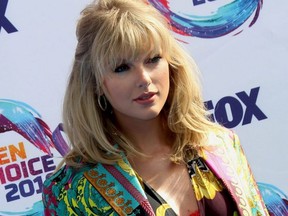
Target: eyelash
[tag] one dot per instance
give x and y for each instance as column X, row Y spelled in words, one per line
column 125, row 67
column 155, row 59
column 122, row 68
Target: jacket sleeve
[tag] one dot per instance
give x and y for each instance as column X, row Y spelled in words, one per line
column 68, row 192
column 253, row 193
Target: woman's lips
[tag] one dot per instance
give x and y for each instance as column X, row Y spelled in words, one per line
column 145, row 98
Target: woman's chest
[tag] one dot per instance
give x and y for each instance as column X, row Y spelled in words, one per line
column 187, row 189
column 174, row 187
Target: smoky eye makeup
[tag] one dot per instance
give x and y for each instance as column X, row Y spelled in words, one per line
column 154, row 59
column 122, row 68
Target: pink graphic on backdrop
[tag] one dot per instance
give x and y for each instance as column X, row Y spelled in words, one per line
column 26, row 121
column 223, row 20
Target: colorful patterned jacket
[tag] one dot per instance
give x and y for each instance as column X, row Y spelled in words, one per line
column 116, row 189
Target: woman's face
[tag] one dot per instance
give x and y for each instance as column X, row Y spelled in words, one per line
column 138, row 89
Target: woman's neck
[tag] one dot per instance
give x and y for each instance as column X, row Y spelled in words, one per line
column 150, row 136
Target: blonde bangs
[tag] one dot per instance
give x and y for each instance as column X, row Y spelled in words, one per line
column 126, row 37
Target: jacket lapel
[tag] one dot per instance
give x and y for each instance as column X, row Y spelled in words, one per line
column 224, row 156
column 120, row 187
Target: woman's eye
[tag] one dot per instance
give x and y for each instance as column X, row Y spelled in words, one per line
column 122, row 68
column 154, row 59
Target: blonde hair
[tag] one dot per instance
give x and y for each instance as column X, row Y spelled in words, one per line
column 108, row 32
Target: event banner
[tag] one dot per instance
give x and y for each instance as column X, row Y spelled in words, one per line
column 240, row 47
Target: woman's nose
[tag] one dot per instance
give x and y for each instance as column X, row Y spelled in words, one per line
column 143, row 78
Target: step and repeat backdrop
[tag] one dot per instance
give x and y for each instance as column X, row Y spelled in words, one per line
column 241, row 49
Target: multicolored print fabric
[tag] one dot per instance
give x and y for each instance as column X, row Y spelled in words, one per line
column 212, row 196
column 116, row 189
column 205, row 183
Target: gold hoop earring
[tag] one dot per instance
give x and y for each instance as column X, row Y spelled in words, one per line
column 102, row 99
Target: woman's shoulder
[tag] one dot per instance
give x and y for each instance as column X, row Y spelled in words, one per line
column 222, row 141
column 65, row 175
column 221, row 136
column 68, row 190
column 65, row 179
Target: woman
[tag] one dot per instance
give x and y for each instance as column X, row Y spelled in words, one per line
column 141, row 140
